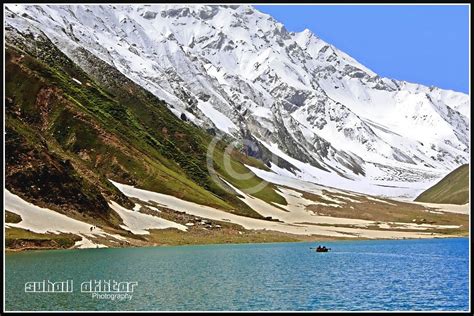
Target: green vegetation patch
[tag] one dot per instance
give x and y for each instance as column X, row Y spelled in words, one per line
column 22, row 239
column 249, row 180
column 11, row 217
column 452, row 189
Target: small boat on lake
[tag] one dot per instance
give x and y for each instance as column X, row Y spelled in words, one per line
column 322, row 249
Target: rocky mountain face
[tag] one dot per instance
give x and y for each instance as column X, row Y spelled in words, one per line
column 308, row 110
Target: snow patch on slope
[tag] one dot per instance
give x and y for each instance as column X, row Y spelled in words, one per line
column 139, row 223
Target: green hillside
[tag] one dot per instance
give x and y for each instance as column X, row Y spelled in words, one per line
column 452, row 189
column 68, row 131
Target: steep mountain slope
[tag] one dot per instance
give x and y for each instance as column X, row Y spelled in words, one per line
column 452, row 189
column 308, row 110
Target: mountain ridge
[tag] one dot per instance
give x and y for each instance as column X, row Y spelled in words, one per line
column 274, row 82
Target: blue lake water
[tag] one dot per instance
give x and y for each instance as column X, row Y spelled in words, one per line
column 355, row 275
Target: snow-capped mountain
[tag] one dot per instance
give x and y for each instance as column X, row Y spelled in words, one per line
column 329, row 119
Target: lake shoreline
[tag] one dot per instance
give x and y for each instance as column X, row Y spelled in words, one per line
column 303, row 240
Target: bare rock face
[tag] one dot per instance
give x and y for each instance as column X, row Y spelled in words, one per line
column 149, row 15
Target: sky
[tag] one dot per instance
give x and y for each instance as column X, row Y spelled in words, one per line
column 426, row 44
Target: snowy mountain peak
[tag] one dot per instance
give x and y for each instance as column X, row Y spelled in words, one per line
column 331, row 120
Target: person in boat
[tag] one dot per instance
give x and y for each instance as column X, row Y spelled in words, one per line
column 322, row 249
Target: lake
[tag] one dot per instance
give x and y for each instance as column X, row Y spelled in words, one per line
column 356, row 275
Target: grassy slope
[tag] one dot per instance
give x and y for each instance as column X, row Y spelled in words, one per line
column 20, row 239
column 452, row 189
column 103, row 131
